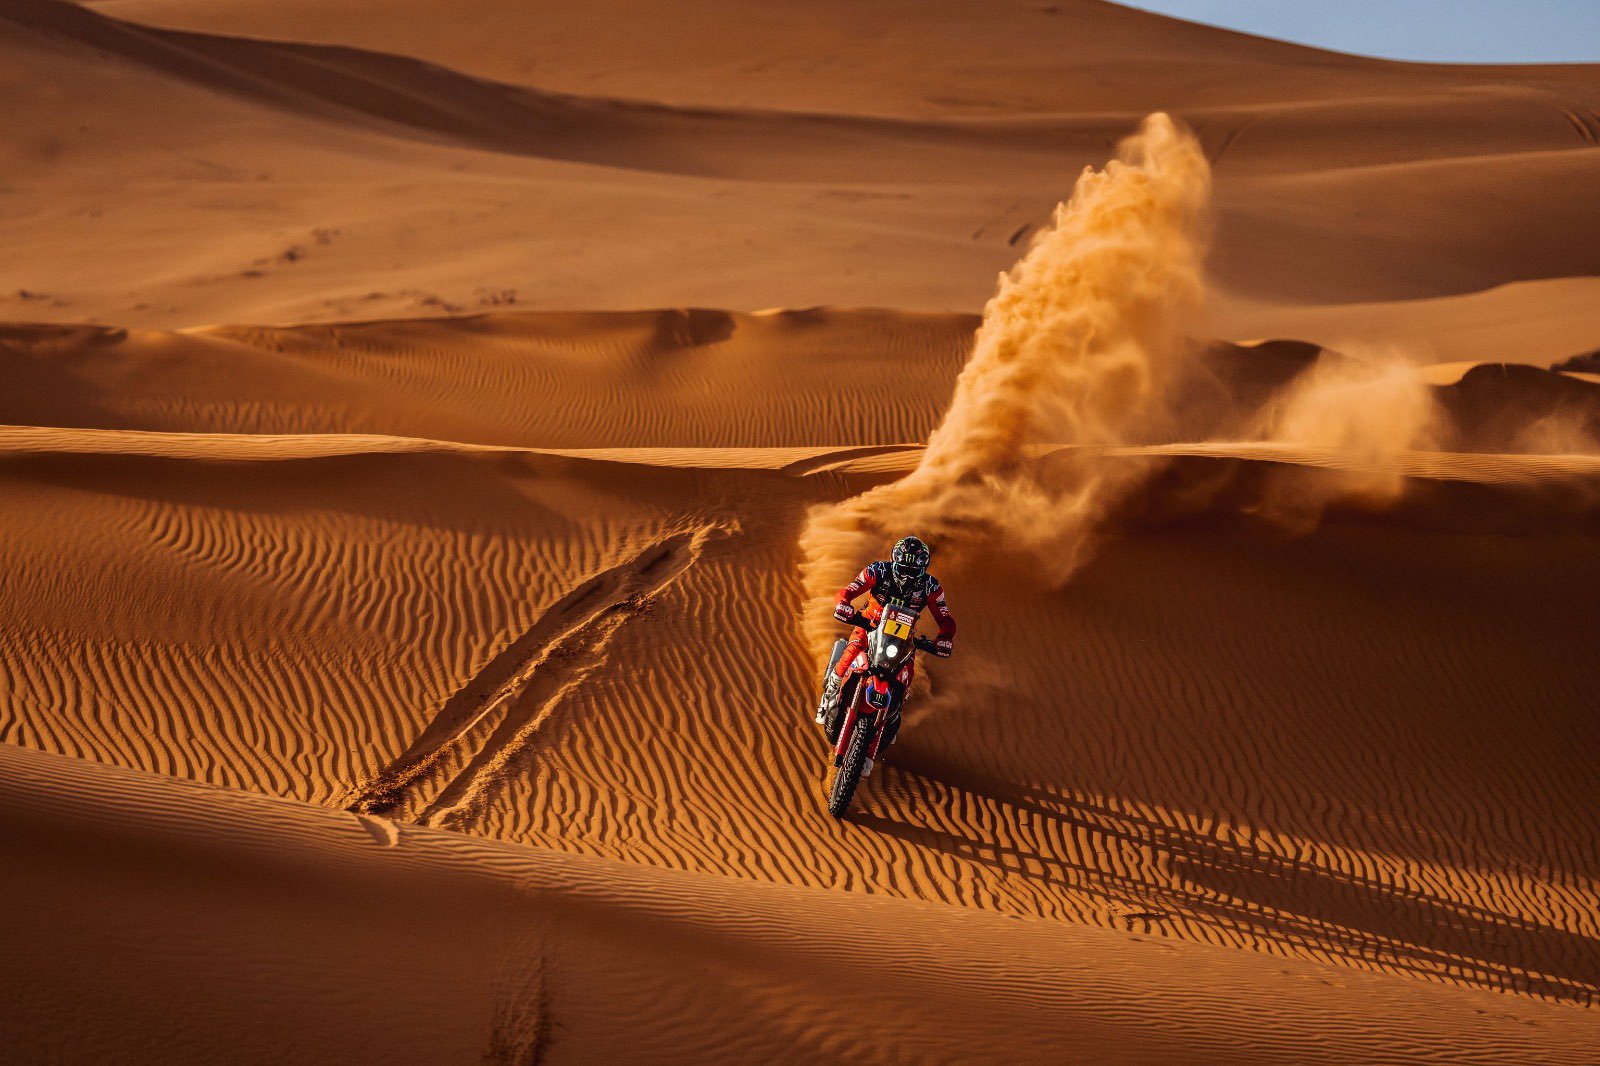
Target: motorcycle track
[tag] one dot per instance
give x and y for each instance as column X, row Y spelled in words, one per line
column 501, row 709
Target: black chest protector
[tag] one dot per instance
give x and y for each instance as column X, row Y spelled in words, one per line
column 887, row 588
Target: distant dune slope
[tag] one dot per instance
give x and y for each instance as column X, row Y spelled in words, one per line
column 887, row 57
column 270, row 162
column 1537, row 322
column 392, row 942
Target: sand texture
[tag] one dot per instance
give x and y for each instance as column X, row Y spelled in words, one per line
column 430, row 434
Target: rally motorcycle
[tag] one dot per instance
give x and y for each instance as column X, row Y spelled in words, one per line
column 865, row 717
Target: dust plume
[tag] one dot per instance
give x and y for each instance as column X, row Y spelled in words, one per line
column 1361, row 410
column 1076, row 348
column 1560, row 432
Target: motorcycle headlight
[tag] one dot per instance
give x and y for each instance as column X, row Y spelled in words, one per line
column 892, row 650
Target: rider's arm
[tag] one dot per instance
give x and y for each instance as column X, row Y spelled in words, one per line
column 946, row 620
column 844, row 609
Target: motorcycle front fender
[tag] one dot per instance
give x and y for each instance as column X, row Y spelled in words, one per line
column 877, row 693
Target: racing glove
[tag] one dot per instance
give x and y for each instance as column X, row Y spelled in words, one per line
column 844, row 612
column 943, row 647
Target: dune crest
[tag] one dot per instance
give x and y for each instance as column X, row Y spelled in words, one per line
column 1075, row 347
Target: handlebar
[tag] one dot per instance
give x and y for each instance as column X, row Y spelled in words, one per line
column 924, row 644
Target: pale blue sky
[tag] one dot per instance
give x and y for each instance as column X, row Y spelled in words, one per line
column 1453, row 31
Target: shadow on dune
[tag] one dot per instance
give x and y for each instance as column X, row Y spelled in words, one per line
column 406, row 95
column 1309, row 745
column 449, row 492
column 1242, row 894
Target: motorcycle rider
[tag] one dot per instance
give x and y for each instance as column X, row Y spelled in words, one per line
column 902, row 578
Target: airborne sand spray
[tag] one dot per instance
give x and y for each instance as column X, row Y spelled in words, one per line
column 1075, row 348
column 1368, row 408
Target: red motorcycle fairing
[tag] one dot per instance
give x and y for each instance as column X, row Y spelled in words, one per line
column 875, row 697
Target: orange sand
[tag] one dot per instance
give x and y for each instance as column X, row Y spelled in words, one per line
column 439, row 686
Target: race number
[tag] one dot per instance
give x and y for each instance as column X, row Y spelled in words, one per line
column 896, row 628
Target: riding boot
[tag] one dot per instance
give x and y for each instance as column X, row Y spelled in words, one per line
column 830, row 694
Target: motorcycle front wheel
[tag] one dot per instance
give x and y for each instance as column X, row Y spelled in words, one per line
column 848, row 775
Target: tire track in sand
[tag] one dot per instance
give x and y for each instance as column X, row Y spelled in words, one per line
column 499, row 709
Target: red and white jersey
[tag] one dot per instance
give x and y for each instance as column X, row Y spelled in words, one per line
column 879, row 579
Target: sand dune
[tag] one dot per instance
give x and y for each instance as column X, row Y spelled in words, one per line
column 1534, row 322
column 435, row 613
column 433, row 638
column 468, row 379
column 629, row 383
column 397, row 92
column 348, row 166
column 1013, row 57
column 1482, row 221
column 528, row 955
column 528, row 643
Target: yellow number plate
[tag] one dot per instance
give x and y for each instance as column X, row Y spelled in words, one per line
column 896, row 628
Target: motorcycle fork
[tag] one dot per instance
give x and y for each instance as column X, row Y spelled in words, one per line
column 872, row 752
column 847, row 728
column 851, row 718
column 855, row 715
